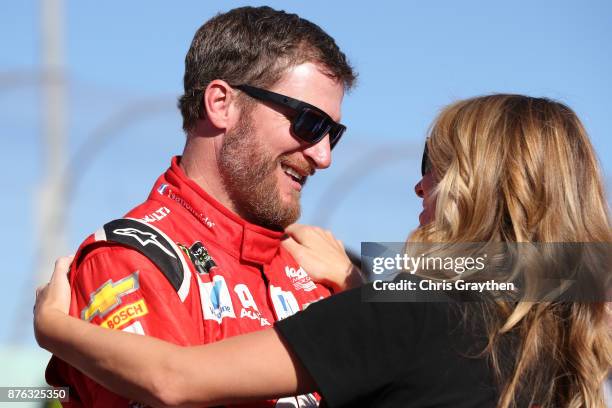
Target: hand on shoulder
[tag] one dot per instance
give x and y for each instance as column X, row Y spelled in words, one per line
column 52, row 300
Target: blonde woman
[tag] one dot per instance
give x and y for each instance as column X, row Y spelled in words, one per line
column 499, row 168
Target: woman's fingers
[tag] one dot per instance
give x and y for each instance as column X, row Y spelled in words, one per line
column 309, row 235
column 320, row 254
column 296, row 249
column 62, row 266
column 296, row 231
column 56, row 293
column 39, row 291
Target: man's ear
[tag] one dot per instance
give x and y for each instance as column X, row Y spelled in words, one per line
column 219, row 104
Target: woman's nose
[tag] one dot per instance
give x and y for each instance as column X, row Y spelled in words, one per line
column 418, row 189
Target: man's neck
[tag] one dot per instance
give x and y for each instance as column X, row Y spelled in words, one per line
column 200, row 164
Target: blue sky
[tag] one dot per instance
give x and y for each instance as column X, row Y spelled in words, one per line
column 413, row 58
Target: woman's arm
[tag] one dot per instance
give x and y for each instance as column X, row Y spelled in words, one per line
column 148, row 370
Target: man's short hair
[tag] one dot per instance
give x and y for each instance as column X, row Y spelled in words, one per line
column 255, row 46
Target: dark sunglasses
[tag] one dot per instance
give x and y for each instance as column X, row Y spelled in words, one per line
column 425, row 163
column 308, row 123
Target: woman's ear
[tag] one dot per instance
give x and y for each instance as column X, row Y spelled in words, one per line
column 218, row 102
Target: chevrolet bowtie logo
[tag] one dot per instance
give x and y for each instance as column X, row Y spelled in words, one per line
column 108, row 296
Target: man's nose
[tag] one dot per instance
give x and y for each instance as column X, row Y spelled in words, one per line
column 320, row 153
column 418, row 189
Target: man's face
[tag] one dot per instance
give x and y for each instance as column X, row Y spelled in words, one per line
column 262, row 164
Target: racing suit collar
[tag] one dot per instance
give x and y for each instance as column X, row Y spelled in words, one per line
column 249, row 242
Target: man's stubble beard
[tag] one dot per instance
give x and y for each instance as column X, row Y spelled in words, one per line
column 248, row 173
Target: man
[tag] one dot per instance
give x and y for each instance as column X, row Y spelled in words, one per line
column 200, row 259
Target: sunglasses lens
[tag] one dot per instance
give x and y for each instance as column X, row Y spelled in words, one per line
column 335, row 135
column 310, row 126
column 425, row 167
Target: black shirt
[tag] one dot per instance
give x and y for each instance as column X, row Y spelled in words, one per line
column 400, row 354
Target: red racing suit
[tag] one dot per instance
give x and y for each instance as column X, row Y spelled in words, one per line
column 182, row 268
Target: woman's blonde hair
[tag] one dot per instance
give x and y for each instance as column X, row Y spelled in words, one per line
column 512, row 168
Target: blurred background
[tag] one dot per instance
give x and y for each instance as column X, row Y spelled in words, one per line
column 88, row 116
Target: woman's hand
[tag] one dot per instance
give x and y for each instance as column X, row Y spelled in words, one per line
column 52, row 299
column 322, row 256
